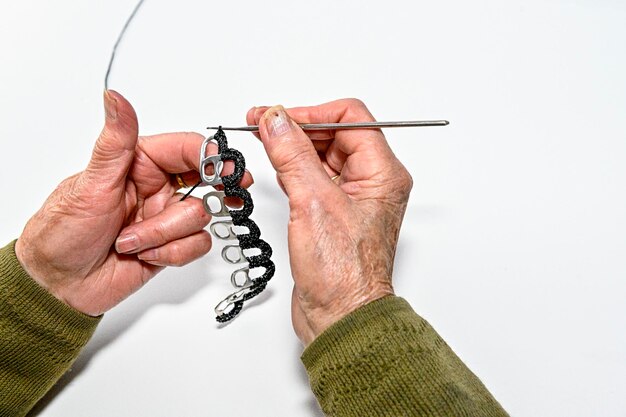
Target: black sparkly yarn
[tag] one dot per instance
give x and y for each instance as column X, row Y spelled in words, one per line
column 240, row 217
column 237, row 306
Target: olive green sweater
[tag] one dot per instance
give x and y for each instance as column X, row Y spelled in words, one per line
column 385, row 360
column 381, row 360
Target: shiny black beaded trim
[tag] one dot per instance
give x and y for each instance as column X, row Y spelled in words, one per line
column 240, row 217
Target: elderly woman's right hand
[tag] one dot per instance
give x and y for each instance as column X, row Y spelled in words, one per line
column 342, row 233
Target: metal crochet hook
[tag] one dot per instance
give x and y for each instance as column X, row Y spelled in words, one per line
column 341, row 126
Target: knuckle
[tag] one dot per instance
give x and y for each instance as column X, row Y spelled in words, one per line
column 355, row 109
column 399, row 180
column 298, row 208
column 196, row 214
column 406, row 181
column 159, row 232
column 356, row 103
column 357, row 106
column 353, row 102
column 306, row 206
column 403, row 182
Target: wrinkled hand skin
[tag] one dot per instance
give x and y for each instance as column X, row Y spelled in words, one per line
column 73, row 246
column 342, row 234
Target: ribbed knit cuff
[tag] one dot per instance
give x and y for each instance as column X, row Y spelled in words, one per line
column 40, row 337
column 344, row 340
column 385, row 360
column 36, row 306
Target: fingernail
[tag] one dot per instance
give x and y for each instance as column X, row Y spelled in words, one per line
column 277, row 121
column 149, row 255
column 127, row 243
column 259, row 112
column 110, row 106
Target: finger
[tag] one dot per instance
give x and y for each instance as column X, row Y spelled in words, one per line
column 335, row 160
column 341, row 111
column 184, row 180
column 254, row 115
column 115, row 148
column 177, row 220
column 330, row 171
column 179, row 252
column 367, row 143
column 321, row 146
column 176, row 153
column 332, row 159
column 292, row 154
column 358, row 154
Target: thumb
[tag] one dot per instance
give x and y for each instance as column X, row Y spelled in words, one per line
column 292, row 154
column 115, row 148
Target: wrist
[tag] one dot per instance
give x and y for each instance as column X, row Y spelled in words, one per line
column 30, row 262
column 25, row 257
column 319, row 319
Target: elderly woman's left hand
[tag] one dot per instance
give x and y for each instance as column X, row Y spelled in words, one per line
column 106, row 231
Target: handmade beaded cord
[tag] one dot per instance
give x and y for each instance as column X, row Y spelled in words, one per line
column 249, row 241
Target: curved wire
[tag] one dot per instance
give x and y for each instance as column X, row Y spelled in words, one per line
column 117, row 42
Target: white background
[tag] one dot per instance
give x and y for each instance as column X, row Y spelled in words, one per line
column 514, row 239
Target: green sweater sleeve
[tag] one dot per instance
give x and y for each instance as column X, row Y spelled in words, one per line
column 40, row 337
column 385, row 360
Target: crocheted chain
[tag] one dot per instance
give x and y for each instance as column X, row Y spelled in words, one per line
column 250, row 240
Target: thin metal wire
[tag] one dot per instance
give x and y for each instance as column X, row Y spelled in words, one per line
column 341, row 126
column 117, row 42
column 191, row 190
